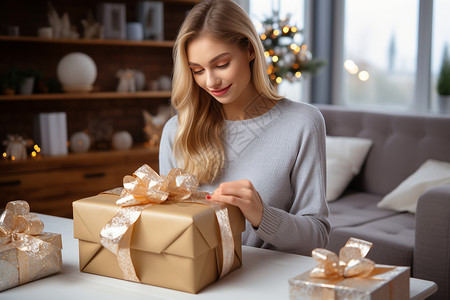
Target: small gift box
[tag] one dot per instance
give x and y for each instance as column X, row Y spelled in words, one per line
column 162, row 233
column 350, row 276
column 26, row 253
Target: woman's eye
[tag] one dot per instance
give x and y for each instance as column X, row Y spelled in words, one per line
column 224, row 65
column 197, row 72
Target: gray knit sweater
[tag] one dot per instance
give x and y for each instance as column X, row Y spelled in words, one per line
column 282, row 152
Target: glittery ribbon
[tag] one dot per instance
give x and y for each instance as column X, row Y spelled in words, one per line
column 146, row 188
column 17, row 227
column 350, row 263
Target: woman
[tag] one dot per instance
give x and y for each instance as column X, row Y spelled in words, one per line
column 248, row 146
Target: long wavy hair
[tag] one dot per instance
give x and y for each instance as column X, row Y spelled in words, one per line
column 198, row 145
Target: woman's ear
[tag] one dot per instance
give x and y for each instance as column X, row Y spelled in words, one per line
column 251, row 52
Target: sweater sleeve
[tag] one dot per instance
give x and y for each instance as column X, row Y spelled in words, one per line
column 166, row 159
column 306, row 226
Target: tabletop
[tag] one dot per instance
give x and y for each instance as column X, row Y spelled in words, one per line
column 263, row 275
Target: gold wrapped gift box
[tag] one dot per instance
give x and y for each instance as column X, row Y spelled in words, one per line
column 173, row 245
column 17, row 267
column 385, row 282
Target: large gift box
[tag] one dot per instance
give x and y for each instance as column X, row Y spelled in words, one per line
column 173, row 244
column 350, row 276
column 26, row 253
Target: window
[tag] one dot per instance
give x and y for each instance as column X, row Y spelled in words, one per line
column 380, row 42
column 441, row 39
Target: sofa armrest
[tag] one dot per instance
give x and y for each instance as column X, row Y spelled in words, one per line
column 432, row 245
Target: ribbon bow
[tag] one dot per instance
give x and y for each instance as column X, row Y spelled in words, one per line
column 17, row 227
column 351, row 261
column 146, row 188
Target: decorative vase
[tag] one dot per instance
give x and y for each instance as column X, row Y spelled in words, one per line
column 77, row 72
column 27, row 86
column 80, row 142
column 135, row 31
column 122, row 140
column 443, row 103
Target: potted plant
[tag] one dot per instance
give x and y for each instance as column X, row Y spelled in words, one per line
column 9, row 82
column 27, row 80
column 19, row 81
column 443, row 86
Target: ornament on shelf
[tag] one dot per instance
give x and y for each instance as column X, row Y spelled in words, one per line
column 122, row 140
column 139, row 80
column 154, row 124
column 80, row 142
column 92, row 28
column 16, row 147
column 288, row 57
column 127, row 81
column 61, row 26
column 164, row 83
column 77, row 72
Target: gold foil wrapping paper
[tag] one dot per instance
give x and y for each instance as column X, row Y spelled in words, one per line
column 350, row 276
column 26, row 254
column 146, row 188
column 173, row 244
column 384, row 282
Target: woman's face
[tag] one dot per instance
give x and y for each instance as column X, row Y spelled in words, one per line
column 221, row 69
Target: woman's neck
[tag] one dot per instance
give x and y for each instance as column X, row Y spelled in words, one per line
column 248, row 106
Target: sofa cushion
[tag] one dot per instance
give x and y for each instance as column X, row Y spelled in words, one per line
column 355, row 208
column 401, row 143
column 393, row 239
column 345, row 156
column 431, row 174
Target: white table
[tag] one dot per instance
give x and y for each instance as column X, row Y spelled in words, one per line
column 263, row 275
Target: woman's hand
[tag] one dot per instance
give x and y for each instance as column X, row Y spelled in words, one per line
column 241, row 193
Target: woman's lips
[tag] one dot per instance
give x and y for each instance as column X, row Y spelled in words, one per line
column 221, row 92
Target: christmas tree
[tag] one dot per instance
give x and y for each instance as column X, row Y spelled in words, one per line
column 287, row 56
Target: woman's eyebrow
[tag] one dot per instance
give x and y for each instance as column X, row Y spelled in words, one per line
column 211, row 61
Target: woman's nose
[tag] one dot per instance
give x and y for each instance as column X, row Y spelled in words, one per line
column 212, row 81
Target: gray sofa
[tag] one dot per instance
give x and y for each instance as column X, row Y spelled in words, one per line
column 401, row 143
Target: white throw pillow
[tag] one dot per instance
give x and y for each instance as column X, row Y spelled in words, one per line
column 430, row 174
column 345, row 156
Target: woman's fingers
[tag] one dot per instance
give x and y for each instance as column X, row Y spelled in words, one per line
column 242, row 194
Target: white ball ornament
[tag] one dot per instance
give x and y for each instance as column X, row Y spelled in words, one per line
column 122, row 140
column 80, row 142
column 77, row 72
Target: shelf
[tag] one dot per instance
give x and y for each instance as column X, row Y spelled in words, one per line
column 96, row 42
column 81, row 96
column 77, row 160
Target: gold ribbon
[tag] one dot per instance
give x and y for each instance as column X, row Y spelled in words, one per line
column 17, row 227
column 146, row 188
column 351, row 261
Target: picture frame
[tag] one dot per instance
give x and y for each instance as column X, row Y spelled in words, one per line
column 151, row 15
column 112, row 16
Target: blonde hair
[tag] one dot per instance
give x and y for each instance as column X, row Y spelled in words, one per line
column 198, row 145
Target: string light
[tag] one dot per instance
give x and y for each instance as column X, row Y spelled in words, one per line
column 363, row 76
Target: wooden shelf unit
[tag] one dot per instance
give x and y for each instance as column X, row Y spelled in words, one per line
column 51, row 184
column 86, row 96
column 96, row 42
